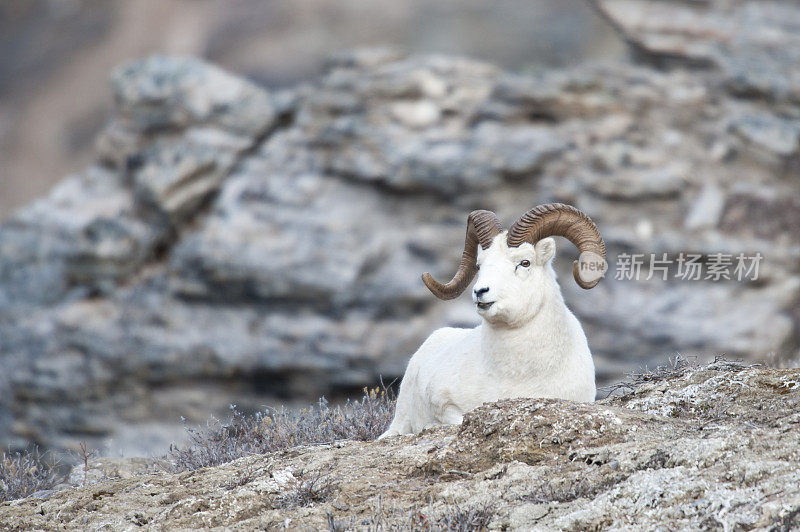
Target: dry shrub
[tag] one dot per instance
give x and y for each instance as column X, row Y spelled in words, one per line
column 217, row 443
column 676, row 367
column 466, row 519
column 306, row 490
column 455, row 518
column 25, row 473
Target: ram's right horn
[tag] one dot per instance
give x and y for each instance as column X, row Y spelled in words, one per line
column 482, row 227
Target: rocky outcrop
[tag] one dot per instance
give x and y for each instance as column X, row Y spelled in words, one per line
column 235, row 245
column 54, row 60
column 710, row 448
column 754, row 45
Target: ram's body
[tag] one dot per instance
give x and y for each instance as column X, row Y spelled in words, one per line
column 457, row 370
column 529, row 344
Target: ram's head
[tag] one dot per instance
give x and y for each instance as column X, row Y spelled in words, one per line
column 509, row 264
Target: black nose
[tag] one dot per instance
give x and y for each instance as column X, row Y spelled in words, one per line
column 480, row 291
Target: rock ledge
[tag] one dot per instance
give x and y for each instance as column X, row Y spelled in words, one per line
column 717, row 447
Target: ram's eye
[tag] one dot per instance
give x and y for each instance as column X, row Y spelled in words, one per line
column 525, row 263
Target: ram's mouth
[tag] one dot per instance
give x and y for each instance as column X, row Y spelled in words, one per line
column 485, row 306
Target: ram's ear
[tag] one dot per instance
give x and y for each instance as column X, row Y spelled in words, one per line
column 545, row 249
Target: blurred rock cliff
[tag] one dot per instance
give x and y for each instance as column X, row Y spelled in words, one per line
column 233, row 244
column 55, row 55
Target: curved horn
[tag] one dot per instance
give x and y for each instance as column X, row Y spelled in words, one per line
column 482, row 227
column 557, row 219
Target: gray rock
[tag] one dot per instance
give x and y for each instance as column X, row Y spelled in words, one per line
column 101, row 469
column 712, row 447
column 165, row 92
column 642, row 184
column 768, row 133
column 179, row 176
column 755, row 44
column 706, row 209
column 217, row 254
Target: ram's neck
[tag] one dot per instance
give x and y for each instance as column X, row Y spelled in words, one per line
column 537, row 348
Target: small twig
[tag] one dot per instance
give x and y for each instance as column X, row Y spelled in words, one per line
column 86, row 455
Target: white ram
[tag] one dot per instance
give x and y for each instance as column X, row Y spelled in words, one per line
column 528, row 344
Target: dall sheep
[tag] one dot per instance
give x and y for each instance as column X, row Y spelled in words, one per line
column 528, row 344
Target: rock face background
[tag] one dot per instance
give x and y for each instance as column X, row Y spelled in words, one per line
column 234, row 245
column 55, row 55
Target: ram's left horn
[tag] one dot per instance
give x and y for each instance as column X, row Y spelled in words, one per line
column 557, row 219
